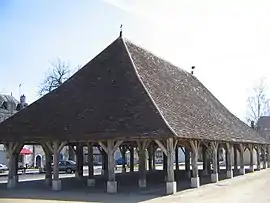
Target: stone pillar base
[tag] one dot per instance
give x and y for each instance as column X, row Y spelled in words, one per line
column 258, row 168
column 195, row 182
column 251, row 169
column 142, row 183
column 91, row 182
column 171, row 188
column 56, row 185
column 242, row 171
column 111, row 187
column 48, row 181
column 11, row 183
column 214, row 177
column 229, row 174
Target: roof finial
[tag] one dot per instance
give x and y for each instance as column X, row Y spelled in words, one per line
column 192, row 68
column 121, row 27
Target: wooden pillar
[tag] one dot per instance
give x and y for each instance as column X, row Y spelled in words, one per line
column 187, row 162
column 176, row 158
column 229, row 151
column 110, row 149
column 13, row 149
column 214, row 149
column 154, row 157
column 79, row 162
column 268, row 155
column 90, row 159
column 204, row 157
column 235, row 159
column 258, row 151
column 195, row 181
column 250, row 148
column 142, row 145
column 48, row 164
column 123, row 151
column 218, row 156
column 16, row 162
column 111, row 184
column 56, row 183
column 56, row 148
column 170, row 184
column 131, row 150
column 164, row 162
column 242, row 164
column 104, row 163
column 264, row 157
column 150, row 150
column 48, row 173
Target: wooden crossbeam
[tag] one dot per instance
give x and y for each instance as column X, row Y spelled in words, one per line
column 162, row 147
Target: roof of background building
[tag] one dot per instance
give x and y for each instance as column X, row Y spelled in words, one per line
column 124, row 92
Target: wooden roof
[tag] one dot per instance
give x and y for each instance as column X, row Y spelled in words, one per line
column 124, row 92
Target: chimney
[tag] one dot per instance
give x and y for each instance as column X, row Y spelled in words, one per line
column 252, row 125
column 22, row 100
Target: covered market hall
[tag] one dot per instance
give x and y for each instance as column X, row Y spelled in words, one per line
column 129, row 99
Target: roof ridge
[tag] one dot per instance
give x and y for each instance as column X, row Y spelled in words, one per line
column 154, row 54
column 145, row 88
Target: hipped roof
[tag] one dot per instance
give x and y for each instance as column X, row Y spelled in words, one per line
column 127, row 92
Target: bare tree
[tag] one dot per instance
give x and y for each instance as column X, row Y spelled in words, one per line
column 55, row 77
column 258, row 103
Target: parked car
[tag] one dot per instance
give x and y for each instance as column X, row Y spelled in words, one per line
column 68, row 166
column 3, row 168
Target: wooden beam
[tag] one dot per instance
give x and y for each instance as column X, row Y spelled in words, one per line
column 60, row 147
column 175, row 143
column 103, row 146
column 117, row 144
column 50, row 147
column 161, row 146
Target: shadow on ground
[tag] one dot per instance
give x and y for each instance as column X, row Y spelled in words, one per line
column 76, row 190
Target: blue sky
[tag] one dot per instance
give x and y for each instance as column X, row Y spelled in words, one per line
column 227, row 41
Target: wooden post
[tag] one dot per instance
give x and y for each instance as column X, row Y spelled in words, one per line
column 90, row 159
column 150, row 157
column 264, row 157
column 56, row 148
column 250, row 148
column 235, row 159
column 48, row 164
column 142, row 145
column 123, row 151
column 13, row 149
column 218, row 157
column 214, row 149
column 195, row 181
column 204, row 156
column 187, row 162
column 268, row 155
column 131, row 149
column 258, row 151
column 79, row 162
column 242, row 164
column 56, row 184
column 229, row 150
column 170, row 184
column 110, row 149
column 176, row 159
column 164, row 162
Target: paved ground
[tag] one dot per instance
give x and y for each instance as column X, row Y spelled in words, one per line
column 253, row 187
